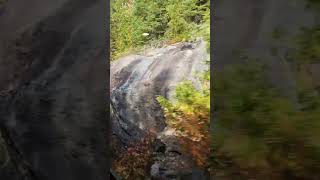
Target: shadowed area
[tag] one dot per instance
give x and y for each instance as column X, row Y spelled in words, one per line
column 53, row 73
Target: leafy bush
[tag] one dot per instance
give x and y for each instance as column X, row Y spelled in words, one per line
column 190, row 117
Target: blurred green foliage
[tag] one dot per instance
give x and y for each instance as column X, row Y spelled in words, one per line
column 314, row 4
column 257, row 128
column 258, row 132
column 308, row 46
column 169, row 20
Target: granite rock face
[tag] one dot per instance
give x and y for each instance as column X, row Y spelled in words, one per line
column 53, row 84
column 136, row 81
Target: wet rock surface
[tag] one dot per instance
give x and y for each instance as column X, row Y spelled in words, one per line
column 53, row 99
column 136, row 81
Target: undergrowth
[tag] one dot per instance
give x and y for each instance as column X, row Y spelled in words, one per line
column 135, row 161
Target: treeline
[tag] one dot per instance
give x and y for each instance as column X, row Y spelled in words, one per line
column 170, row 20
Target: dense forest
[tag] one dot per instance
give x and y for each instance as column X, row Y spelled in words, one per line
column 165, row 21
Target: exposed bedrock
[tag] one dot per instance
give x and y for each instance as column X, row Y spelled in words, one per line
column 136, row 81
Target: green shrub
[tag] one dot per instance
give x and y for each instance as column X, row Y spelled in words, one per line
column 190, row 117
